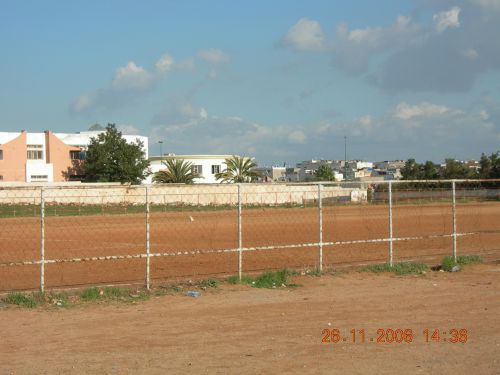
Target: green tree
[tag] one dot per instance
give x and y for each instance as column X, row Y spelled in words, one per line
column 325, row 173
column 411, row 170
column 238, row 169
column 456, row 169
column 429, row 171
column 489, row 167
column 110, row 158
column 178, row 171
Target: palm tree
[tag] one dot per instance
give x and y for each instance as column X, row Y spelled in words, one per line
column 178, row 172
column 239, row 169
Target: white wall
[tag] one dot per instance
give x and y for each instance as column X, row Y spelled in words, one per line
column 206, row 162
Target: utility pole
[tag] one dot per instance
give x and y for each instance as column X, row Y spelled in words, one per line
column 345, row 158
column 161, row 150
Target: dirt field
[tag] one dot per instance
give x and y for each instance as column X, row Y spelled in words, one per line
column 70, row 237
column 240, row 330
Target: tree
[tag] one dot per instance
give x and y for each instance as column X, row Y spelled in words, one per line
column 456, row 169
column 110, row 158
column 429, row 171
column 489, row 167
column 239, row 169
column 325, row 173
column 178, row 171
column 411, row 170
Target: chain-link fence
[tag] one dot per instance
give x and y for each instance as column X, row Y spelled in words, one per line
column 61, row 236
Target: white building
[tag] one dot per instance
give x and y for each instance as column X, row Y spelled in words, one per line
column 206, row 165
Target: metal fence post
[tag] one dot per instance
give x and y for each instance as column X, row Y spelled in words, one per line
column 240, row 247
column 320, row 217
column 42, row 240
column 148, row 278
column 390, row 223
column 453, row 189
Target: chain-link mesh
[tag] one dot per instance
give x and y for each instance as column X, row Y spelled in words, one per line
column 19, row 238
column 93, row 234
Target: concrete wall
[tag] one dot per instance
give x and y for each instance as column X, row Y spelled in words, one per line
column 12, row 166
column 206, row 194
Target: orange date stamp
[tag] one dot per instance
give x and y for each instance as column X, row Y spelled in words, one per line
column 395, row 335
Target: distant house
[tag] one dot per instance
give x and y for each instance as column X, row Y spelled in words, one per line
column 206, row 165
column 47, row 156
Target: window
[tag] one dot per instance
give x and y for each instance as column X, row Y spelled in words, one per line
column 35, row 152
column 215, row 169
column 197, row 169
column 39, row 177
column 1, row 154
column 77, row 155
column 1, row 178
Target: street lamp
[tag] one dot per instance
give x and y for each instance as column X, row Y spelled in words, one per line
column 161, row 151
column 345, row 158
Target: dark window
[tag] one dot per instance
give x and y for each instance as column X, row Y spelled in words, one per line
column 198, row 169
column 215, row 169
column 1, row 154
column 77, row 155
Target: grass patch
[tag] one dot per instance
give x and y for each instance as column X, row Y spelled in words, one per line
column 271, row 279
column 448, row 262
column 90, row 294
column 21, row 299
column 402, row 268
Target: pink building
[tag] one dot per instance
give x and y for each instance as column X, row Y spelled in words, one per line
column 47, row 156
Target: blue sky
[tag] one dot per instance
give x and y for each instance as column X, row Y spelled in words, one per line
column 282, row 81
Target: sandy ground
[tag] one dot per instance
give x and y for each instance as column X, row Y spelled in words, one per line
column 171, row 232
column 241, row 330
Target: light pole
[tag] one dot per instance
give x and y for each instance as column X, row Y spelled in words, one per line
column 161, row 151
column 345, row 158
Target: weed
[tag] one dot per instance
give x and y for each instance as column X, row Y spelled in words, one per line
column 448, row 262
column 90, row 294
column 402, row 268
column 21, row 299
column 115, row 293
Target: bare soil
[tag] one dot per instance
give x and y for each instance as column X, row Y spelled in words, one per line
column 70, row 237
column 242, row 330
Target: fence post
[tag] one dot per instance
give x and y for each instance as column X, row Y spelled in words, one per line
column 240, row 247
column 320, row 217
column 390, row 223
column 148, row 278
column 453, row 189
column 42, row 240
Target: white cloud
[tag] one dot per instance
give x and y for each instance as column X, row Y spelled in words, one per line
column 164, row 63
column 297, row 137
column 446, row 19
column 305, row 35
column 82, row 103
column 405, row 111
column 213, row 56
column 132, row 76
column 470, row 53
column 203, row 113
column 484, row 115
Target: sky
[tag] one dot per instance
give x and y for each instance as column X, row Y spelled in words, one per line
column 282, row 81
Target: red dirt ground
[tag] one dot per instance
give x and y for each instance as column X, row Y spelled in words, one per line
column 90, row 236
column 240, row 330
